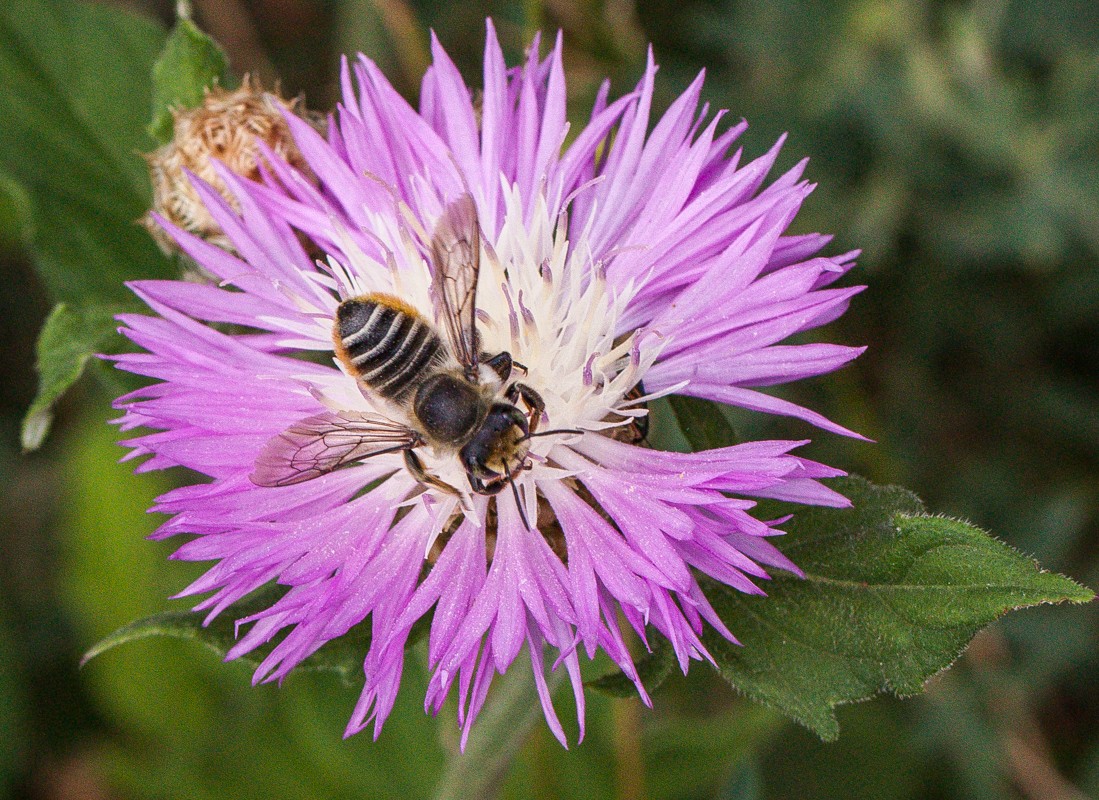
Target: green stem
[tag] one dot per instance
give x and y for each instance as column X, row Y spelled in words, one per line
column 511, row 710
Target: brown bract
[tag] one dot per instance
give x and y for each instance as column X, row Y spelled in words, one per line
column 225, row 128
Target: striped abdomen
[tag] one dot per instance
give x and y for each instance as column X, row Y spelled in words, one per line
column 385, row 344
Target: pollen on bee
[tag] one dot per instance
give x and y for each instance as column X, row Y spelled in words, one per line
column 393, row 302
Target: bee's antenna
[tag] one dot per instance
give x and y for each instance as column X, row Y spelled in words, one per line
column 547, row 433
column 519, row 503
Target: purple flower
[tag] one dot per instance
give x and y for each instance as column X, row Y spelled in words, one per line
column 636, row 253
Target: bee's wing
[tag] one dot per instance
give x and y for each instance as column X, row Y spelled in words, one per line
column 456, row 260
column 317, row 445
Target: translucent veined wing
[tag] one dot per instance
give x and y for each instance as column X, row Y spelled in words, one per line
column 317, row 445
column 456, row 260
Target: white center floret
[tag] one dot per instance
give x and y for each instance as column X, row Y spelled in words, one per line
column 541, row 298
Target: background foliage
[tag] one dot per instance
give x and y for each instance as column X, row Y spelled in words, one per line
column 957, row 143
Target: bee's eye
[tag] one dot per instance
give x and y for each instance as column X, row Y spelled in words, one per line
column 469, row 459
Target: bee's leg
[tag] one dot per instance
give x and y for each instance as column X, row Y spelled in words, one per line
column 501, row 364
column 533, row 400
column 519, row 503
column 416, row 467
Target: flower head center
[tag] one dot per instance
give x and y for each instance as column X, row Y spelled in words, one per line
column 541, row 299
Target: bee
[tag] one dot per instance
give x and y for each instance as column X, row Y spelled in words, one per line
column 454, row 397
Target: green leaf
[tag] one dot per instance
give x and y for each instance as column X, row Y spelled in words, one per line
column 653, row 669
column 76, row 87
column 68, row 339
column 76, row 81
column 891, row 596
column 15, row 214
column 343, row 656
column 190, row 63
column 702, row 422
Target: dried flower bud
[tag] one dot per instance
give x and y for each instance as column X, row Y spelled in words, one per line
column 224, row 128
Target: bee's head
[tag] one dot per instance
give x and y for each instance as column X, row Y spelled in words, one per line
column 497, row 450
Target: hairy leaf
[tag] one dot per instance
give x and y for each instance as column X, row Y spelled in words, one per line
column 890, row 597
column 190, row 63
column 68, row 339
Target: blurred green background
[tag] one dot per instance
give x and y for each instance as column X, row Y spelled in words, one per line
column 956, row 143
